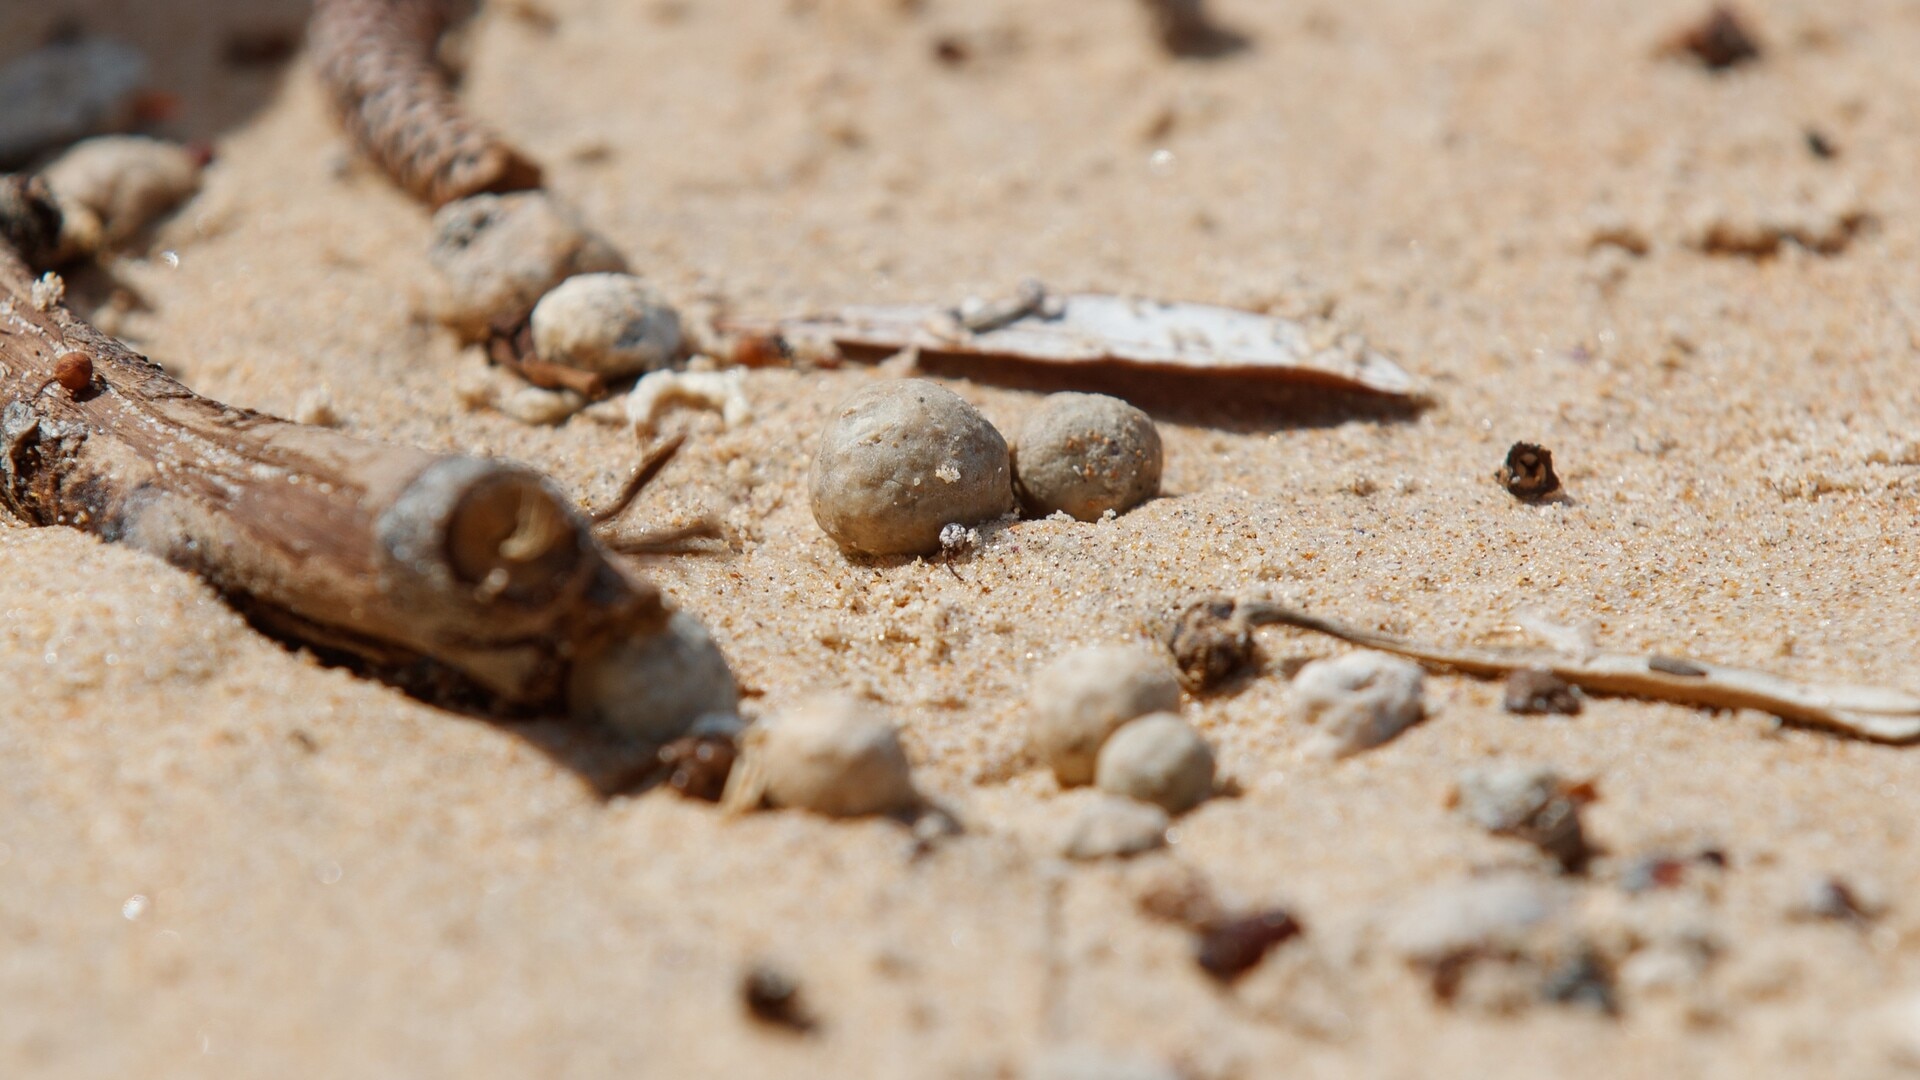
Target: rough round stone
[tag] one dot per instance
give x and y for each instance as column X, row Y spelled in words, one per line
column 835, row 755
column 499, row 254
column 1086, row 454
column 1081, row 698
column 1115, row 828
column 1157, row 759
column 613, row 324
column 902, row 460
column 654, row 687
column 116, row 185
column 1358, row 701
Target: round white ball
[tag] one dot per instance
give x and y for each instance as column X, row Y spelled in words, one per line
column 902, row 460
column 1157, row 759
column 1358, row 701
column 654, row 687
column 612, row 324
column 835, row 755
column 1084, row 696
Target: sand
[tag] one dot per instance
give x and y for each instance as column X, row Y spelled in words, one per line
column 218, row 857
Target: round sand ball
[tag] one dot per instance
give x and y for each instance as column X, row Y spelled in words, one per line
column 835, row 755
column 1157, row 759
column 902, row 460
column 120, row 184
column 499, row 254
column 657, row 687
column 613, row 324
column 1083, row 697
column 1086, row 454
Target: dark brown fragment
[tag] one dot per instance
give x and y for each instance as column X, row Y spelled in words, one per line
column 1719, row 41
column 261, row 46
column 1211, row 643
column 1528, row 473
column 698, row 765
column 771, row 996
column 1184, row 29
column 30, row 220
column 1820, row 146
column 1534, row 691
column 1230, row 948
column 376, row 61
column 1585, row 978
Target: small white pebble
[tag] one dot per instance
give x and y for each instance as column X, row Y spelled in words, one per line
column 1157, row 759
column 116, row 185
column 48, row 290
column 497, row 255
column 835, row 755
column 654, row 687
column 1081, row 698
column 315, row 406
column 1115, row 828
column 1086, row 455
column 1357, row 701
column 900, row 461
column 1485, row 914
column 613, row 324
column 720, row 390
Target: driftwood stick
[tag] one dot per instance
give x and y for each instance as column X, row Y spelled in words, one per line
column 1869, row 712
column 410, row 561
column 376, row 60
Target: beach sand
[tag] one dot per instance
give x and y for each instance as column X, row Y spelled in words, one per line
column 219, row 857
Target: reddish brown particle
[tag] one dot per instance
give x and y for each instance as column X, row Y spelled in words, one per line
column 73, row 371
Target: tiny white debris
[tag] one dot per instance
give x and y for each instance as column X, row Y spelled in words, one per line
column 1357, row 701
column 1082, row 698
column 48, row 291
column 720, row 390
column 483, row 386
column 948, row 472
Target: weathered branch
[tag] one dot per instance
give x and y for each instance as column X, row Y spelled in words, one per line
column 376, row 59
column 402, row 558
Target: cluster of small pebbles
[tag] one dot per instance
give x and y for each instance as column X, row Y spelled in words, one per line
column 1106, row 715
column 902, row 461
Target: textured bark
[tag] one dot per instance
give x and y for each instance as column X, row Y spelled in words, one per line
column 450, row 570
column 376, row 59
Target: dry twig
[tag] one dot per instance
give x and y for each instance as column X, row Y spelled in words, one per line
column 1869, row 712
column 447, row 572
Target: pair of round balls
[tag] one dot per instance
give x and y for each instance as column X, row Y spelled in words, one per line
column 900, row 461
column 1105, row 715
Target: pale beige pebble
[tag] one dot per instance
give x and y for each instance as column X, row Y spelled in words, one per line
column 722, row 391
column 1662, row 969
column 1480, row 915
column 837, row 755
column 124, row 182
column 1356, row 701
column 1160, row 759
column 497, row 255
column 1114, row 828
column 901, row 460
column 1081, row 698
column 1086, row 455
column 654, row 687
column 315, row 406
column 613, row 324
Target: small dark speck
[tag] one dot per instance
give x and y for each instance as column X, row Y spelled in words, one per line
column 1820, row 146
column 773, row 997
